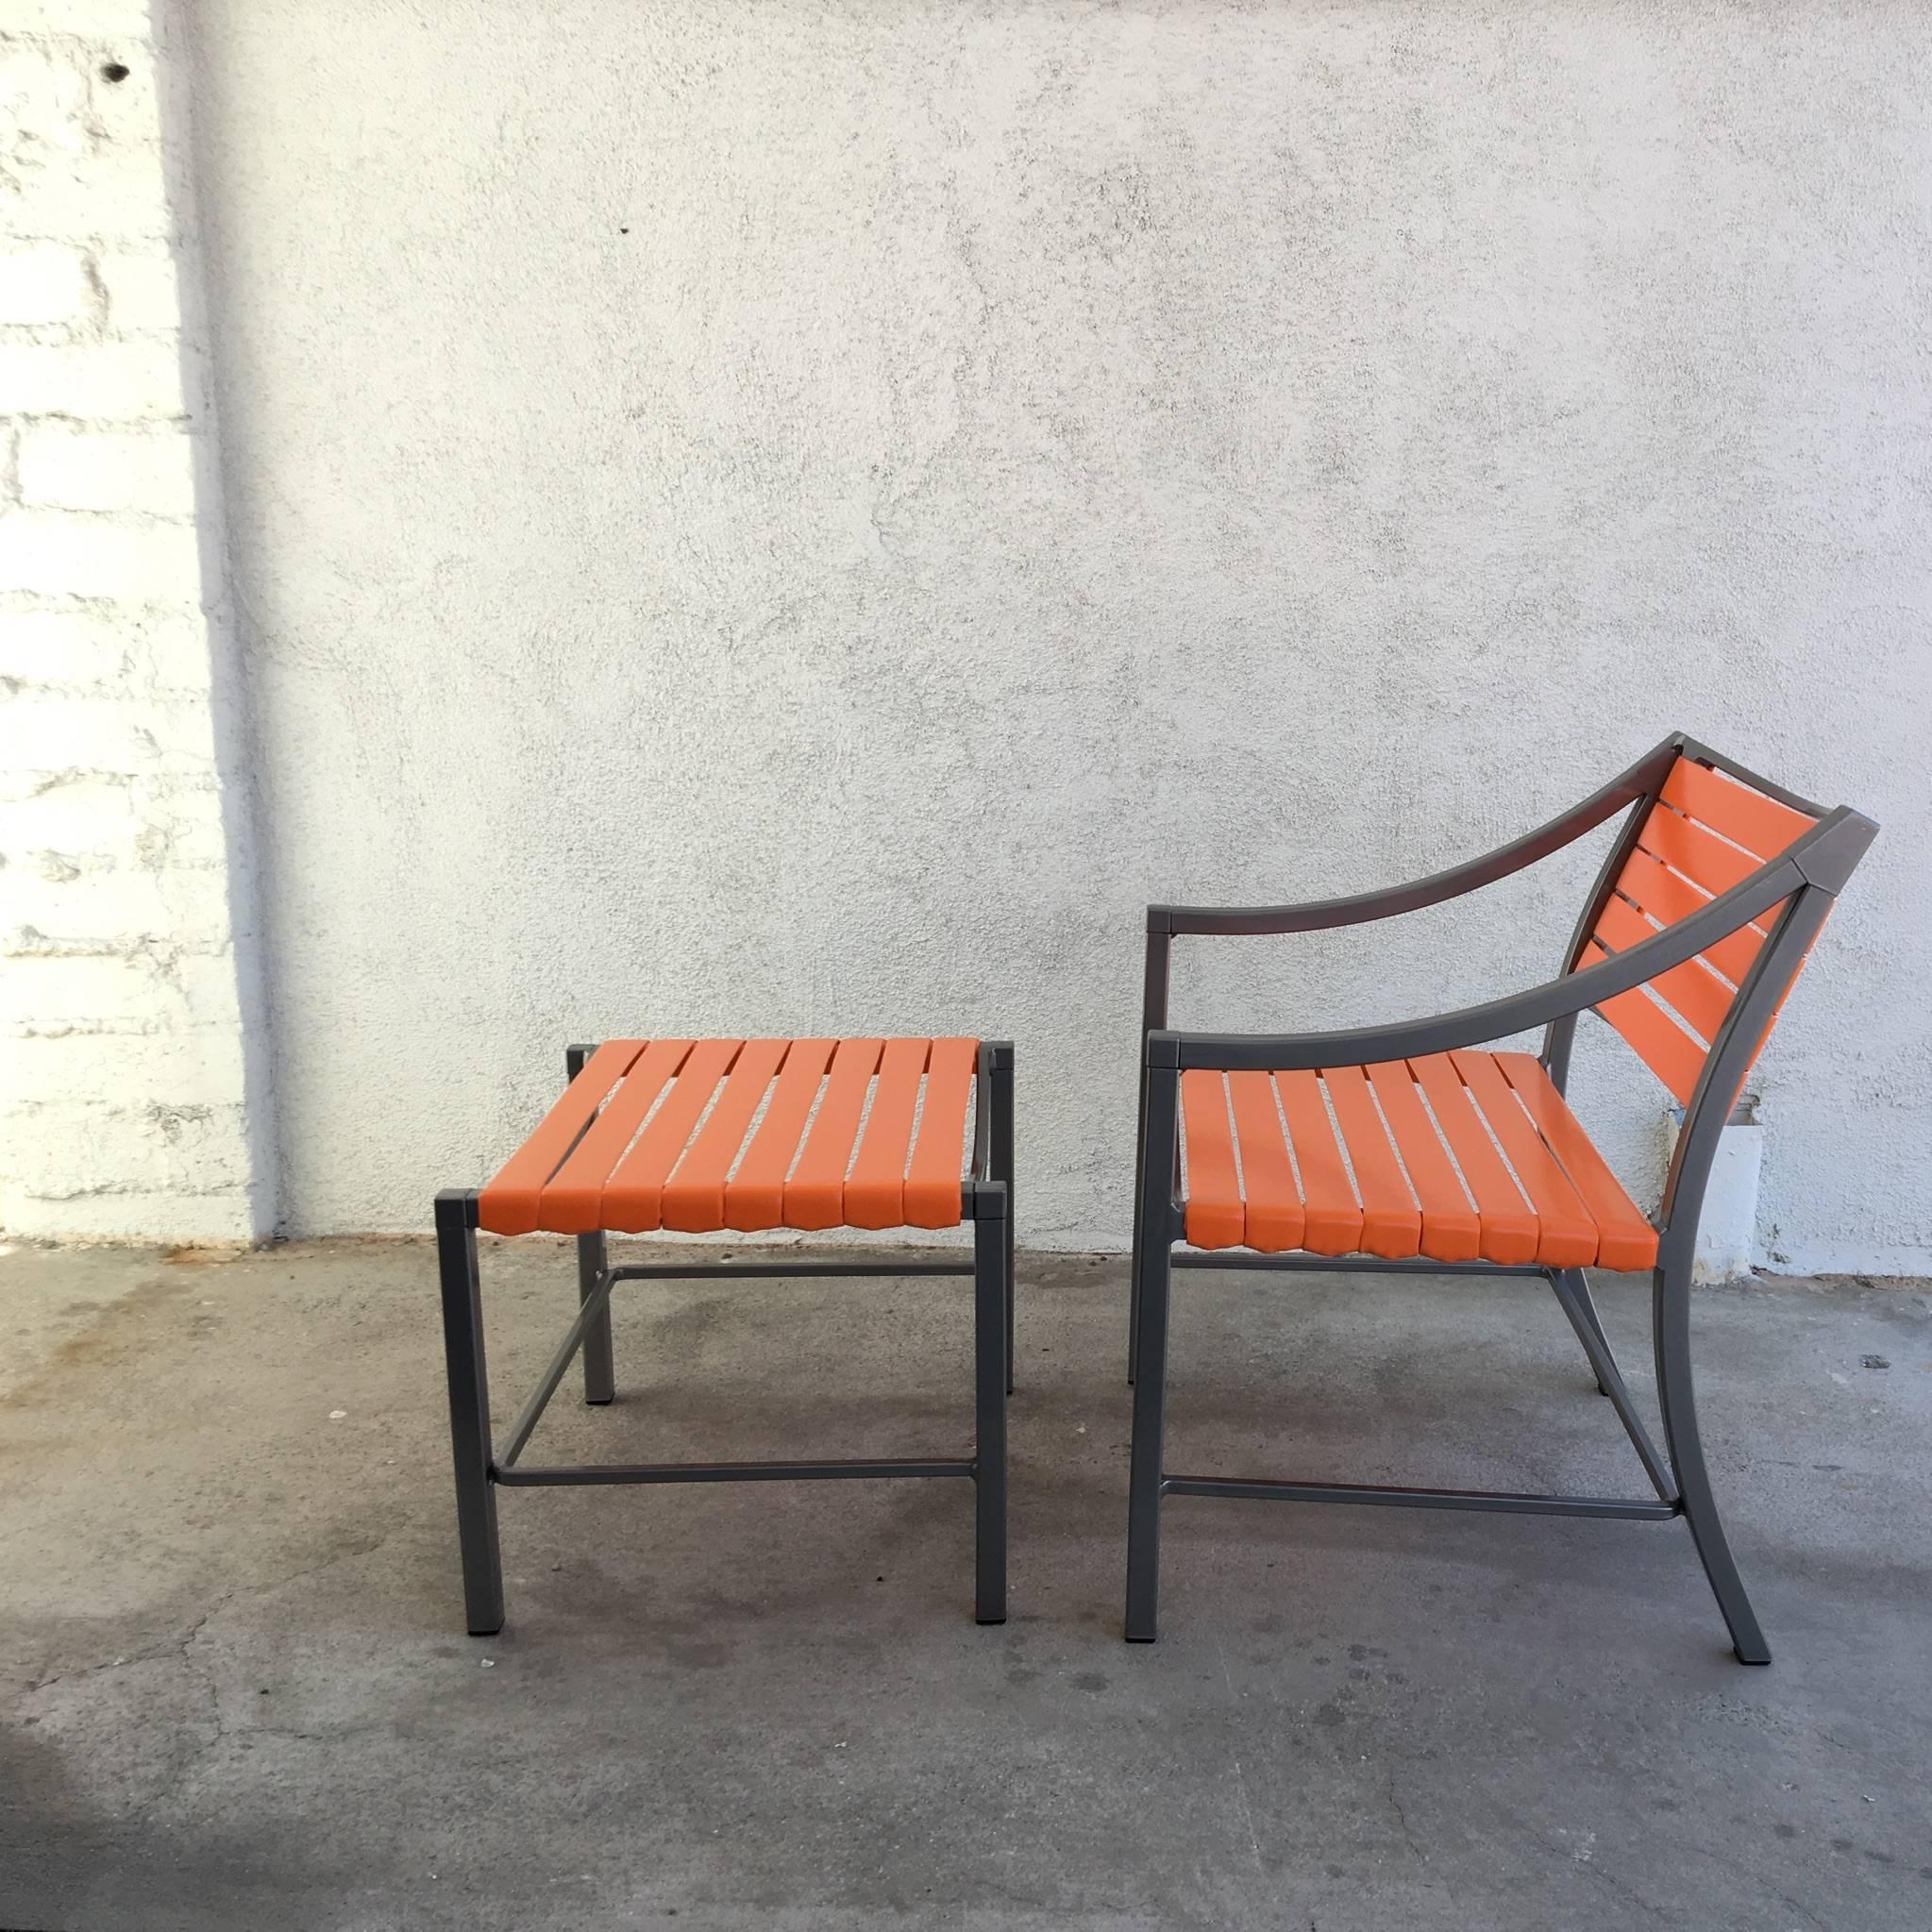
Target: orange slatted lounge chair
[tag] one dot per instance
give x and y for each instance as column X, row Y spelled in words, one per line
column 704, row 1135
column 1471, row 1161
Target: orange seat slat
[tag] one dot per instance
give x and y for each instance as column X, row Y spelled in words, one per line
column 876, row 1187
column 693, row 1197
column 511, row 1201
column 755, row 1195
column 1391, row 1221
column 932, row 1176
column 1699, row 854
column 1696, row 993
column 1663, row 1046
column 1667, row 897
column 1214, row 1217
column 1508, row 1225
column 1451, row 1229
column 573, row 1202
column 1747, row 817
column 815, row 1197
column 1626, row 1238
column 1273, row 1214
column 633, row 1196
column 1333, row 1216
column 1567, row 1235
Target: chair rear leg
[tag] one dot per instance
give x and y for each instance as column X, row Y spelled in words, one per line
column 1677, row 1400
column 991, row 1292
column 1002, row 1153
column 469, row 1411
column 1573, row 1295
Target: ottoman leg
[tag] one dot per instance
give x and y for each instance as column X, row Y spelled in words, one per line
column 991, row 1286
column 469, row 1411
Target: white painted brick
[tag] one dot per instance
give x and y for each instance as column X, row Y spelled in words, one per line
column 89, row 892
column 44, row 92
column 202, row 1069
column 96, row 555
column 97, row 643
column 61, row 733
column 117, row 193
column 124, row 109
column 101, row 381
column 127, row 1213
column 143, row 293
column 69, row 816
column 65, row 467
column 61, row 1155
column 43, row 282
column 89, row 17
column 146, row 987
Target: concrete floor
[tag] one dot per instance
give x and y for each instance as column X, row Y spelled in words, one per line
column 238, row 1693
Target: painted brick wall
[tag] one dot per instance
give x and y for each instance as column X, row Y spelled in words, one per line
column 128, row 1104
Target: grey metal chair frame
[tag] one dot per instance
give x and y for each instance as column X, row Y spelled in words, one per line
column 1805, row 878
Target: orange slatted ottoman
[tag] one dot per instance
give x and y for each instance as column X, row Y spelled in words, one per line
column 704, row 1135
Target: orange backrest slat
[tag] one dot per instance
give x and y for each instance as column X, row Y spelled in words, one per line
column 876, row 1187
column 1696, row 852
column 755, row 1195
column 1624, row 1238
column 1391, row 1221
column 1451, row 1229
column 932, row 1176
column 1568, row 1236
column 815, row 1194
column 1668, row 897
column 1333, row 1216
column 633, row 1196
column 573, row 1200
column 693, row 1197
column 1695, row 992
column 509, row 1204
column 1745, row 816
column 1509, row 1229
column 1657, row 1039
column 1275, row 1217
column 1214, row 1217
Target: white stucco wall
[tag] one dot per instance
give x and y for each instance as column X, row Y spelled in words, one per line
column 134, row 1097
column 755, row 515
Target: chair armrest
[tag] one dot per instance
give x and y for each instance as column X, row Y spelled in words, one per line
column 1642, row 780
column 1515, row 1012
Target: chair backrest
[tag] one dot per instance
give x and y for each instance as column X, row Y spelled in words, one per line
column 1703, row 833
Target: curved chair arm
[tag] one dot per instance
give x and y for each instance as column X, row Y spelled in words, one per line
column 1514, row 1013
column 1642, row 780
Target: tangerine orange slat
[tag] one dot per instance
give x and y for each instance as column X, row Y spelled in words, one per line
column 1693, row 851
column 573, row 1200
column 509, row 1204
column 694, row 1198
column 755, row 1195
column 1626, row 1238
column 1697, row 993
column 815, row 1194
column 1568, row 1236
column 1510, row 1228
column 1746, row 817
column 1451, row 1229
column 1663, row 1046
column 1668, row 897
column 1333, row 1216
column 1273, row 1212
column 1391, row 1221
column 876, row 1187
column 1215, row 1217
column 633, row 1196
column 932, row 1195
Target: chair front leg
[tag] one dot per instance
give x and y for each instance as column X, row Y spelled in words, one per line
column 1677, row 1400
column 1152, row 1274
column 469, row 1411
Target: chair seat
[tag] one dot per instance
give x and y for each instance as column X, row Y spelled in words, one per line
column 1459, row 1157
column 703, row 1134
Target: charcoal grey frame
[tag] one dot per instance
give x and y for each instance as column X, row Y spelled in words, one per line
column 481, row 1470
column 1805, row 878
